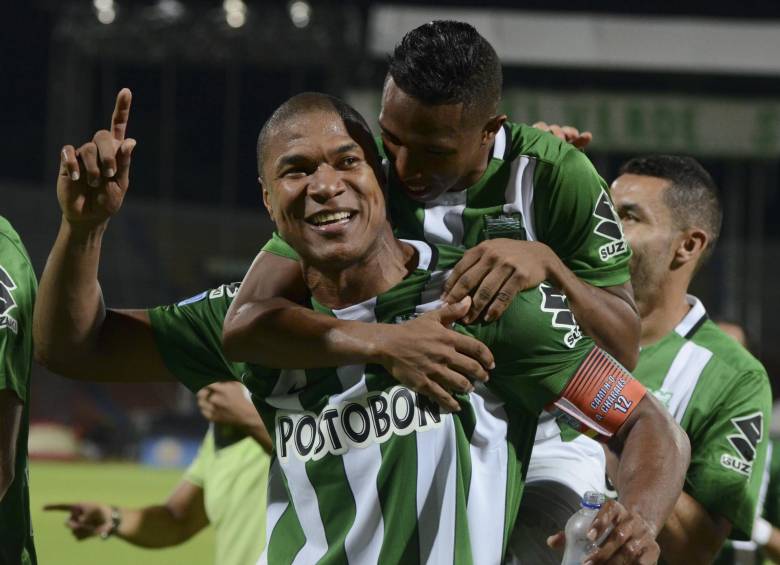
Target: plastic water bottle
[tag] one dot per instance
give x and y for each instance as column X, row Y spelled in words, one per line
column 578, row 546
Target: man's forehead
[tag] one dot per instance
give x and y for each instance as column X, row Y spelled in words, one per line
column 640, row 187
column 402, row 111
column 308, row 128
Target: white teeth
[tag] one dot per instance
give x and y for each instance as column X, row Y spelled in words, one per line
column 328, row 217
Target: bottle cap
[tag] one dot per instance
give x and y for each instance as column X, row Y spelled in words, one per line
column 593, row 499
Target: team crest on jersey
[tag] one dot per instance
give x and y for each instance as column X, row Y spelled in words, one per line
column 554, row 302
column 609, row 227
column 346, row 425
column 7, row 302
column 509, row 226
column 750, row 431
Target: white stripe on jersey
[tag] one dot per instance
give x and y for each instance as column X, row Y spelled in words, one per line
column 277, row 504
column 304, row 499
column 487, row 491
column 443, row 222
column 683, row 375
column 364, row 540
column 436, row 479
column 520, row 193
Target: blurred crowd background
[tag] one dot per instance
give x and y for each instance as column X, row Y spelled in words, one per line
column 696, row 79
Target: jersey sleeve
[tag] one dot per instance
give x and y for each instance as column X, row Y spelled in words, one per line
column 189, row 338
column 278, row 246
column 17, row 296
column 196, row 472
column 576, row 218
column 544, row 361
column 729, row 450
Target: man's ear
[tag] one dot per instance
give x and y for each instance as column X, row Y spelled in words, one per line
column 692, row 244
column 490, row 129
column 266, row 199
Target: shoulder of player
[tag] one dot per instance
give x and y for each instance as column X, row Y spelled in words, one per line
column 14, row 243
column 726, row 350
column 217, row 298
column 539, row 145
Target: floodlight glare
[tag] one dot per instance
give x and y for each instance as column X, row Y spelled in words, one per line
column 234, row 6
column 300, row 13
column 106, row 16
column 235, row 19
column 103, row 5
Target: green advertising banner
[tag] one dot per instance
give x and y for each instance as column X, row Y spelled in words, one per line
column 725, row 127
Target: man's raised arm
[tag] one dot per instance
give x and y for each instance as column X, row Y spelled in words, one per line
column 74, row 334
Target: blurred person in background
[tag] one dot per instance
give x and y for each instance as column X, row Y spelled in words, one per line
column 17, row 296
column 530, row 208
column 225, row 486
column 713, row 387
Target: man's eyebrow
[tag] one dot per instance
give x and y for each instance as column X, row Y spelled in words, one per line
column 629, row 207
column 346, row 147
column 290, row 159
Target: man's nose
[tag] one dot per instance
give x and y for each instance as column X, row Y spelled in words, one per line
column 326, row 183
column 405, row 164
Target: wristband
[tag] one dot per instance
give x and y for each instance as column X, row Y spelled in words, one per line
column 116, row 520
column 762, row 531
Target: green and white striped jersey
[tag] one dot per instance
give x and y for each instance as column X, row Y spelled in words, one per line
column 720, row 395
column 536, row 187
column 366, row 470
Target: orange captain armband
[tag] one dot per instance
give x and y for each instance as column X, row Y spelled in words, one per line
column 599, row 397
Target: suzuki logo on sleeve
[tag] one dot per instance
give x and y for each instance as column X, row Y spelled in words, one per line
column 609, row 227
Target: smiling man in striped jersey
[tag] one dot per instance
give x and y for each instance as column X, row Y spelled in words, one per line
column 367, row 470
column 713, row 387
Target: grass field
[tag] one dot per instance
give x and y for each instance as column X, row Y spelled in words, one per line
column 120, row 484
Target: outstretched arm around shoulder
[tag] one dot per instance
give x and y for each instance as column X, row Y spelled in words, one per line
column 267, row 325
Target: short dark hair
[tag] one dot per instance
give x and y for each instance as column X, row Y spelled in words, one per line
column 448, row 62
column 691, row 196
column 316, row 101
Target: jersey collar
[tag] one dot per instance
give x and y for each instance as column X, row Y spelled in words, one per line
column 501, row 144
column 694, row 319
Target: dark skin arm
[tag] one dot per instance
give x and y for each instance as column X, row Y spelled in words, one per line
column 10, row 420
column 496, row 270
column 181, row 517
column 74, row 334
column 262, row 327
column 690, row 535
column 653, row 454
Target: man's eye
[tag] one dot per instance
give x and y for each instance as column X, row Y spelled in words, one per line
column 349, row 162
column 294, row 173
